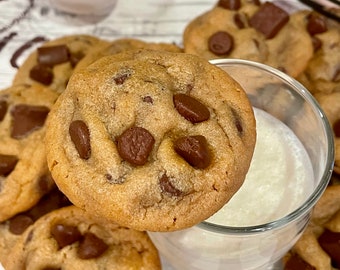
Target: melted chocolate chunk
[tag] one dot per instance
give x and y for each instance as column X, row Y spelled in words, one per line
column 336, row 128
column 121, row 78
column 336, row 76
column 42, row 73
column 316, row 24
column 221, row 43
column 194, row 150
column 167, row 186
column 80, row 136
column 75, row 58
column 19, row 223
column 238, row 21
column 269, row 19
column 317, row 43
column 295, row 262
column 190, row 108
column 229, row 4
column 330, row 243
column 91, row 247
column 148, row 99
column 23, row 48
column 7, row 164
column 53, row 55
column 65, row 235
column 3, row 109
column 135, row 144
column 26, row 119
column 51, row 268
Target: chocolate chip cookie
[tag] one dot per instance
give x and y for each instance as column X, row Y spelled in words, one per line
column 69, row 238
column 120, row 45
column 23, row 166
column 318, row 248
column 224, row 32
column 322, row 73
column 13, row 228
column 152, row 140
column 53, row 63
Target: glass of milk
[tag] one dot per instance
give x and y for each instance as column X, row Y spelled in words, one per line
column 290, row 169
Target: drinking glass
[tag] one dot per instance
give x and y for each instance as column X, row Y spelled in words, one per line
column 261, row 246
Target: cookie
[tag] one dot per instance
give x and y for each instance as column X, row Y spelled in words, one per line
column 13, row 228
column 330, row 103
column 69, row 238
column 318, row 248
column 225, row 33
column 53, row 63
column 23, row 166
column 322, row 73
column 148, row 139
column 291, row 48
column 121, row 45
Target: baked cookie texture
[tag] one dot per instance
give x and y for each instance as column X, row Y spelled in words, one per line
column 121, row 45
column 251, row 30
column 12, row 229
column 69, row 238
column 152, row 140
column 23, row 167
column 53, row 63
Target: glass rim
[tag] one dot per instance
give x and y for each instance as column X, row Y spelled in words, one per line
column 320, row 188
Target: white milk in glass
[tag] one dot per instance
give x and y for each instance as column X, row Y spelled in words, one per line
column 279, row 179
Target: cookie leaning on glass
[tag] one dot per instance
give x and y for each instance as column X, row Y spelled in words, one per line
column 152, row 140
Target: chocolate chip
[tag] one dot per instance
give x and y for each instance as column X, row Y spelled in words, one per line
column 167, row 186
column 330, row 243
column 51, row 268
column 194, row 149
column 336, row 128
column 65, row 235
column 121, row 78
column 220, row 43
column 45, row 183
column 80, row 136
column 269, row 19
column 19, row 223
column 148, row 99
column 91, row 247
column 229, row 4
column 3, row 109
column 75, row 58
column 238, row 21
column 135, row 144
column 295, row 262
column 336, row 76
column 190, row 108
column 316, row 24
column 7, row 164
column 42, row 73
column 26, row 119
column 53, row 55
column 317, row 43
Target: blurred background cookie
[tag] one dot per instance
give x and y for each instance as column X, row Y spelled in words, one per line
column 52, row 63
column 71, row 239
column 23, row 166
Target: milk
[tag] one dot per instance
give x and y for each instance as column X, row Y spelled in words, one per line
column 280, row 177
